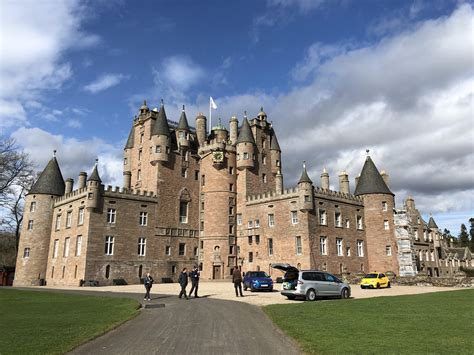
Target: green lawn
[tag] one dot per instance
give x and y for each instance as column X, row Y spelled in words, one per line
column 53, row 323
column 434, row 323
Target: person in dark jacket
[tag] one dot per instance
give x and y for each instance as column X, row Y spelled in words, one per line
column 194, row 275
column 183, row 281
column 237, row 280
column 148, row 282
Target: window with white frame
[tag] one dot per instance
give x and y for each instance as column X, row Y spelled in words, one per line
column 26, row 253
column 182, row 249
column 339, row 246
column 264, row 178
column 298, row 246
column 69, row 219
column 294, row 217
column 388, row 250
column 250, row 224
column 348, row 223
column 109, row 245
column 246, row 156
column 384, row 206
column 78, row 245
column 323, row 245
column 385, row 225
column 139, row 174
column 58, row 222
column 239, row 219
column 141, row 246
column 360, row 248
column 111, row 215
column 359, row 222
column 66, row 247
column 30, row 225
column 432, row 256
column 33, row 206
column 271, row 220
column 168, row 250
column 55, row 248
column 183, row 212
column 80, row 217
column 257, row 223
column 337, row 219
column 143, row 220
column 323, row 220
column 270, row 246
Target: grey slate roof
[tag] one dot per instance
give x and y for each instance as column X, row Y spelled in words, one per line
column 183, row 122
column 304, row 177
column 130, row 140
column 370, row 181
column 161, row 125
column 95, row 175
column 432, row 223
column 50, row 181
column 274, row 142
column 245, row 133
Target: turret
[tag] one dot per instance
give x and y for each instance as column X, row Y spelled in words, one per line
column 325, row 179
column 234, row 128
column 245, row 147
column 279, row 183
column 201, row 129
column 262, row 116
column 68, row 186
column 127, row 180
column 160, row 137
column 182, row 131
column 93, row 188
column 81, row 181
column 305, row 191
column 410, row 203
column 344, row 182
column 275, row 153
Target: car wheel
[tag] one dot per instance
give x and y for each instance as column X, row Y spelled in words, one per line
column 378, row 285
column 311, row 295
column 270, row 289
column 345, row 293
column 362, row 287
column 252, row 289
column 388, row 285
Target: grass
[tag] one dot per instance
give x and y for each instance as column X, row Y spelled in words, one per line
column 433, row 323
column 53, row 323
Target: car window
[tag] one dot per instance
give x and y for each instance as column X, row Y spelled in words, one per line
column 260, row 274
column 319, row 276
column 309, row 276
column 330, row 278
column 382, row 275
column 370, row 276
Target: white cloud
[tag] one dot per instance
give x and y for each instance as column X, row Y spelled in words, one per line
column 104, row 82
column 73, row 123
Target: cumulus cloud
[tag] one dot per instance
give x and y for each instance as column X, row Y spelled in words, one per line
column 104, row 82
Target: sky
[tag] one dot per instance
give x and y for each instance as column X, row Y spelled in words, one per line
column 335, row 77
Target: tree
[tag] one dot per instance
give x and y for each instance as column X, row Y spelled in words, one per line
column 16, row 178
column 451, row 240
column 471, row 232
column 463, row 236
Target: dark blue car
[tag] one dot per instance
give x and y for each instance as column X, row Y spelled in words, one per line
column 257, row 280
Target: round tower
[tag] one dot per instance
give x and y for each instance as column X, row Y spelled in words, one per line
column 305, row 191
column 93, row 189
column 234, row 127
column 201, row 129
column 245, row 147
column 160, row 138
column 325, row 179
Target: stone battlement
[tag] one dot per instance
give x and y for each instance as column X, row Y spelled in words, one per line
column 324, row 193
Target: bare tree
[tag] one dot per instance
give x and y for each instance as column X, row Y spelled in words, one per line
column 16, row 178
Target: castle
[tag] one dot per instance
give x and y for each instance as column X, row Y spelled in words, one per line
column 216, row 199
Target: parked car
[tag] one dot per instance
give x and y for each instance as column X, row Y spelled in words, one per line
column 257, row 280
column 311, row 284
column 375, row 280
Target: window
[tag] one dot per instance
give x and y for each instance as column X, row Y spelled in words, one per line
column 125, row 161
column 140, row 155
column 168, row 250
column 348, row 224
column 173, row 269
column 339, row 246
column 182, row 249
column 231, row 210
column 231, row 187
column 58, row 222
column 257, row 223
column 141, row 246
column 250, row 224
column 416, row 235
column 55, row 248
column 158, row 149
column 250, row 257
column 323, row 245
column 385, row 225
column 167, row 150
column 111, row 215
column 183, row 212
column 109, row 245
column 257, row 239
column 298, row 246
column 264, row 178
column 264, row 160
column 270, row 246
column 348, row 251
column 68, row 219
column 250, row 239
column 359, row 222
column 360, row 248
column 184, row 172
column 239, row 219
column 323, row 218
column 203, row 180
column 66, row 247
column 271, row 220
column 388, row 250
column 141, row 137
column 80, row 217
column 196, row 251
column 231, row 229
column 294, row 217
column 337, row 219
column 277, row 163
column 231, row 170
column 33, row 206
column 139, row 174
column 196, row 175
column 246, row 156
column 384, row 206
column 143, row 220
column 107, row 271
column 30, row 225
column 78, row 245
column 26, row 253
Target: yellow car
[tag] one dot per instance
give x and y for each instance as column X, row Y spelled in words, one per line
column 375, row 280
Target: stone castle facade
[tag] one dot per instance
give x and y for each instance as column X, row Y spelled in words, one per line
column 216, row 199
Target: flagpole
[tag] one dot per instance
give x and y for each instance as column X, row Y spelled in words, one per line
column 210, row 115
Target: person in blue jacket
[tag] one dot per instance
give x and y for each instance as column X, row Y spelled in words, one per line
column 194, row 275
column 183, row 281
column 148, row 282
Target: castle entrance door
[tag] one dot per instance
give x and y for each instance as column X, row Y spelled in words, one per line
column 216, row 272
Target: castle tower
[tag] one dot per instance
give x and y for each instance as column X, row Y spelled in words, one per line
column 93, row 189
column 201, row 129
column 379, row 227
column 305, row 191
column 182, row 131
column 160, row 138
column 245, row 147
column 35, row 234
column 325, row 179
column 234, row 127
column 275, row 153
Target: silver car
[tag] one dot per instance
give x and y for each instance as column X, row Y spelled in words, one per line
column 311, row 284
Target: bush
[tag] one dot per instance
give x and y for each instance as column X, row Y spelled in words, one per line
column 469, row 272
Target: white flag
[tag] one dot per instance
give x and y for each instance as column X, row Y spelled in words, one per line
column 213, row 104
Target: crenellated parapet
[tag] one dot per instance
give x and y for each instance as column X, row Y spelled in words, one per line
column 341, row 196
column 272, row 196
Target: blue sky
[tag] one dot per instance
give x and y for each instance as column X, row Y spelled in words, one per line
column 335, row 78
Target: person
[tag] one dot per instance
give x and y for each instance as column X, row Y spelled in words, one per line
column 148, row 282
column 194, row 275
column 183, row 281
column 237, row 280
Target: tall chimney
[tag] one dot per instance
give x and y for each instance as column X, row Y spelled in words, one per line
column 325, row 179
column 81, row 181
column 344, row 182
column 69, row 183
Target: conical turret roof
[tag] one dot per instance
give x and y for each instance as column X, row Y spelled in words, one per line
column 245, row 133
column 161, row 125
column 304, row 176
column 130, row 140
column 274, row 142
column 370, row 180
column 50, row 181
column 94, row 175
column 183, row 122
column 432, row 224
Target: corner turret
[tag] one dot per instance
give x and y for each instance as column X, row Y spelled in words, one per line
column 160, row 137
column 245, row 147
column 305, row 191
column 93, row 188
column 182, row 131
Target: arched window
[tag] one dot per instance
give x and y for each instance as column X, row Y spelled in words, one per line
column 107, row 271
column 184, row 200
column 75, row 272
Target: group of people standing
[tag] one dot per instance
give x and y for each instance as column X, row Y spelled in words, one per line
column 194, row 276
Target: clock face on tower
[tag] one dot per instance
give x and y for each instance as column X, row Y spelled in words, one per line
column 218, row 157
